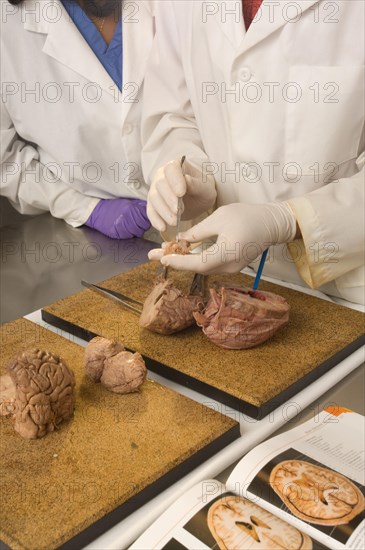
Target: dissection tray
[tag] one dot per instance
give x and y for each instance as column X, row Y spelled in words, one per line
column 319, row 335
column 117, row 453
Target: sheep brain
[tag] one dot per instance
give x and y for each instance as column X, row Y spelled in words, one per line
column 44, row 392
column 119, row 371
column 236, row 318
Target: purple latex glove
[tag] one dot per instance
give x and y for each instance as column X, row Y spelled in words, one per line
column 120, row 218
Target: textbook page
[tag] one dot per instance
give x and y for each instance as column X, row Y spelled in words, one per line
column 312, row 476
column 209, row 517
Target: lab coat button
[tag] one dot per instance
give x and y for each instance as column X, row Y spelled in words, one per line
column 244, row 74
column 246, row 170
column 134, row 185
column 128, row 129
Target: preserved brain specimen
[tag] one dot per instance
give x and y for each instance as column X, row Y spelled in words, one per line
column 7, row 395
column 124, row 372
column 237, row 523
column 118, row 370
column 44, row 392
column 237, row 318
column 316, row 494
column 167, row 310
column 177, row 247
column 97, row 350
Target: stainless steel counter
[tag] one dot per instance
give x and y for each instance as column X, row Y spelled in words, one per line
column 44, row 259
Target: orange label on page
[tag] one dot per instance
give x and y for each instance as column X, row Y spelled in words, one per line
column 336, row 411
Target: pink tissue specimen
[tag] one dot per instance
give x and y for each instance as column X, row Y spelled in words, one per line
column 118, row 370
column 44, row 392
column 177, row 247
column 237, row 318
column 167, row 310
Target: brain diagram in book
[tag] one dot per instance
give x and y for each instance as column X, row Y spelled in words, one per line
column 239, row 523
column 312, row 492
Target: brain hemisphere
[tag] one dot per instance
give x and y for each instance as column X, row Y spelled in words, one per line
column 167, row 310
column 44, row 392
column 238, row 318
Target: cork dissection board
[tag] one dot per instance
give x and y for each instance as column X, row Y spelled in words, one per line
column 115, row 454
column 254, row 381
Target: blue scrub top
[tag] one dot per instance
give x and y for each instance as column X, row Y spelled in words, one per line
column 110, row 56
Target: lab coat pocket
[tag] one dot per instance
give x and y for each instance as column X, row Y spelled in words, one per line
column 324, row 116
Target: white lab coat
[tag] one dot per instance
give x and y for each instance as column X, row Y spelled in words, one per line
column 278, row 112
column 69, row 137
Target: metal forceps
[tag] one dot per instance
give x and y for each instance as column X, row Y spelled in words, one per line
column 179, row 212
column 125, row 301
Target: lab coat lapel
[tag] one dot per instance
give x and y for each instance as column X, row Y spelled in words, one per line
column 65, row 44
column 228, row 16
column 227, row 20
column 271, row 16
column 138, row 32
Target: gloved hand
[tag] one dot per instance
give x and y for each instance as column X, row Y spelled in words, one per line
column 169, row 184
column 120, row 218
column 244, row 231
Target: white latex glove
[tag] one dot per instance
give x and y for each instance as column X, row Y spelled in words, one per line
column 244, row 231
column 169, row 184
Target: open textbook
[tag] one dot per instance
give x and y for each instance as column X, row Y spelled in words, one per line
column 301, row 490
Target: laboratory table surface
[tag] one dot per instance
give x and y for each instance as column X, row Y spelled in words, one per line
column 44, row 259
